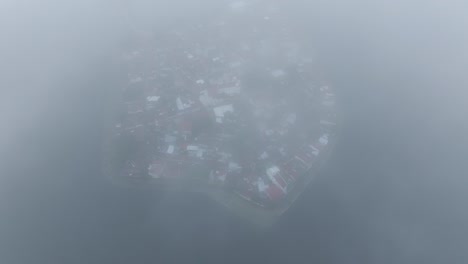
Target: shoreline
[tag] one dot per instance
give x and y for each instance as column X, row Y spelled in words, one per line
column 249, row 210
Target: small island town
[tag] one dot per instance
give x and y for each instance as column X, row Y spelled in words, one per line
column 234, row 105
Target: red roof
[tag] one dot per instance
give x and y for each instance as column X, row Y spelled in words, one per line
column 280, row 180
column 303, row 156
column 186, row 125
column 288, row 171
column 274, row 192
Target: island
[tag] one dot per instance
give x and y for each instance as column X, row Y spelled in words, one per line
column 233, row 106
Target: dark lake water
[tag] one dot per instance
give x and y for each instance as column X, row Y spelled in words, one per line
column 392, row 192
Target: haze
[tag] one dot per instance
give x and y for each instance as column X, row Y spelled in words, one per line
column 394, row 190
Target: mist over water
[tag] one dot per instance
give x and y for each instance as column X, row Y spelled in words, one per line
column 392, row 192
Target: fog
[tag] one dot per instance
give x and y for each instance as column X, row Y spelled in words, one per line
column 392, row 192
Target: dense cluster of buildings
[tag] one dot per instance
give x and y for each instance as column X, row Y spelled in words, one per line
column 235, row 109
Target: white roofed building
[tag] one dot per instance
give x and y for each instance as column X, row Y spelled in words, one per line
column 220, row 112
